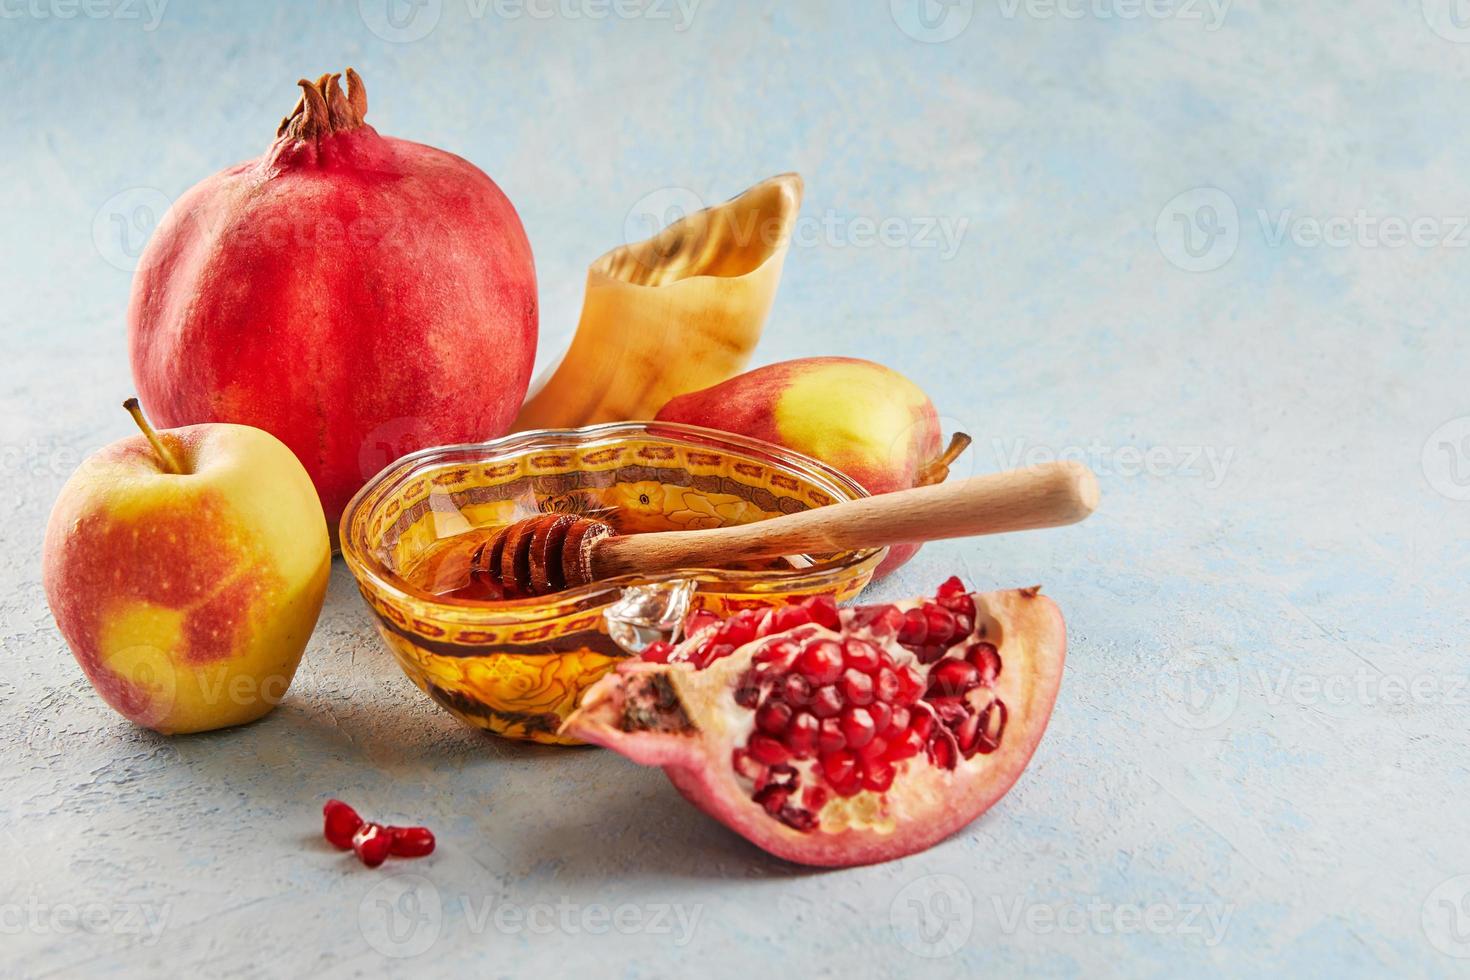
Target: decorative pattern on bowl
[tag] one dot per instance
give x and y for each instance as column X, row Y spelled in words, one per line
column 517, row 668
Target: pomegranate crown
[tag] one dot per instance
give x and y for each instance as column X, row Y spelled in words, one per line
column 323, row 109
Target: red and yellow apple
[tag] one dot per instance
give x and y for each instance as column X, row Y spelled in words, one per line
column 868, row 421
column 186, row 569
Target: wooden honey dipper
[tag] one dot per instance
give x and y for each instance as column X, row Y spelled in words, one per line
column 551, row 552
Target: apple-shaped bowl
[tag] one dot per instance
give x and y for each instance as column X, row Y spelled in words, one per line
column 518, row 667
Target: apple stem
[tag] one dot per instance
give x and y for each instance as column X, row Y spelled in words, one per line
column 170, row 462
column 937, row 468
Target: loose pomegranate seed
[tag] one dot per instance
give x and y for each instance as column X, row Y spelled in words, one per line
column 339, row 823
column 827, row 702
column 774, row 717
column 857, row 688
column 821, row 662
column 767, row 750
column 410, row 842
column 831, row 738
column 857, row 727
column 371, row 844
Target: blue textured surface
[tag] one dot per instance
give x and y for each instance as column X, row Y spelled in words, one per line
column 1258, row 760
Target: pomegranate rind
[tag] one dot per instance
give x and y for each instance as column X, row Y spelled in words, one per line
column 692, row 731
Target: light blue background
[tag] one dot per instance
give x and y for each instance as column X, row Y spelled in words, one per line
column 1230, row 745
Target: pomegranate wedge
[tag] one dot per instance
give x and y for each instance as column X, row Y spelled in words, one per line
column 845, row 737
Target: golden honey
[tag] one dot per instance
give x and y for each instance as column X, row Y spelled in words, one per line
column 517, row 667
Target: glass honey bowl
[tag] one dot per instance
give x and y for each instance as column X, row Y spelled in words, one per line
column 518, row 667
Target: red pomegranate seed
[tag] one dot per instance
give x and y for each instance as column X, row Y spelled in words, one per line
column 857, row 727
column 878, row 776
column 765, row 749
column 788, row 617
column 798, row 691
column 830, row 738
column 410, row 842
column 883, row 716
column 887, row 685
column 658, row 652
column 942, row 749
column 951, row 586
column 823, row 611
column 910, row 685
column 861, row 655
column 952, row 679
column 797, row 818
column 905, row 746
column 883, row 621
column 992, row 727
column 874, row 750
column 801, row 736
column 821, row 662
column 986, row 659
column 814, row 797
column 739, row 629
column 773, row 798
column 857, row 688
column 340, row 822
column 827, row 702
column 840, row 768
column 371, row 844
column 698, row 620
column 966, row 732
column 923, row 723
column 781, row 650
column 915, row 628
column 774, row 717
column 941, row 624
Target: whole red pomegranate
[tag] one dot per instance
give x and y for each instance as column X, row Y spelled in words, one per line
column 355, row 295
column 844, row 737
